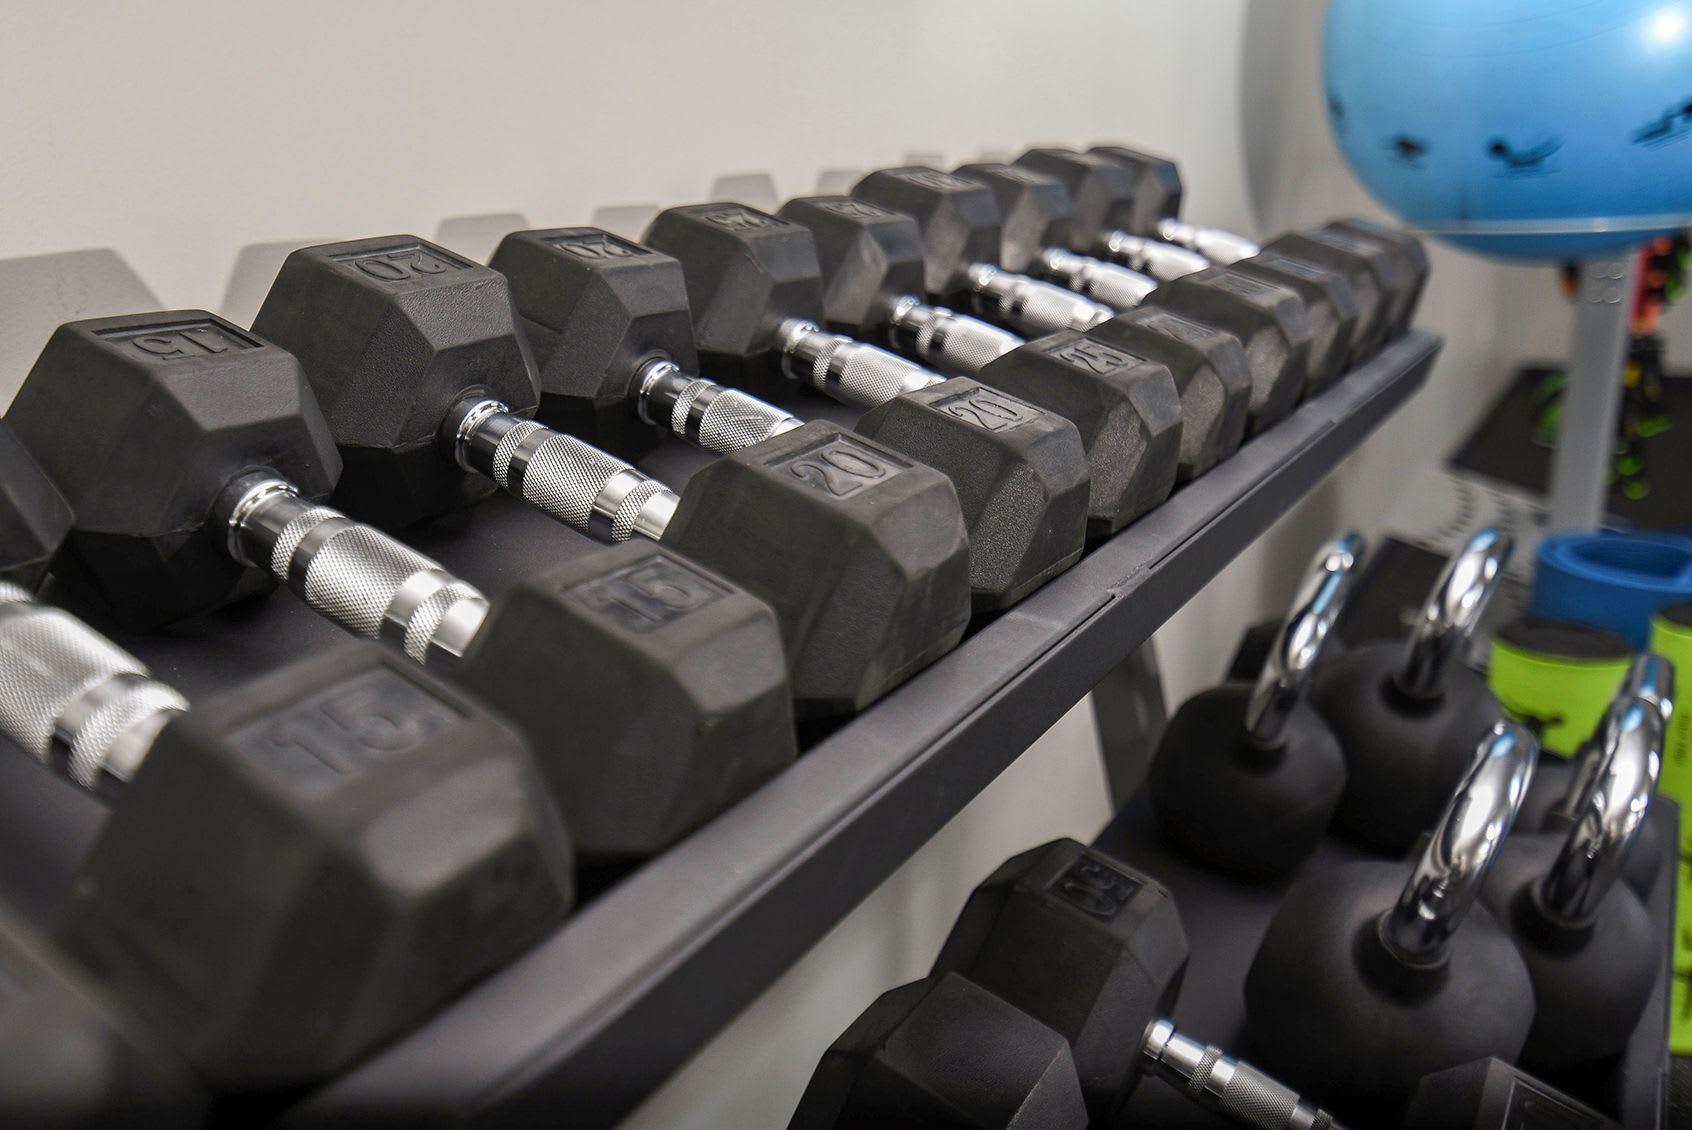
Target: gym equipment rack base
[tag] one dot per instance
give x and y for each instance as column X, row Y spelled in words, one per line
column 595, row 1017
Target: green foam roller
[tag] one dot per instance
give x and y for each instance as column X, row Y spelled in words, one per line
column 1557, row 677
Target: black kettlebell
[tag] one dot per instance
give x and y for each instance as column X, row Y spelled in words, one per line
column 1555, row 801
column 1246, row 776
column 1406, row 714
column 1586, row 937
column 1364, row 981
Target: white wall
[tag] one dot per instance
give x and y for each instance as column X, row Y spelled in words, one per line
column 193, row 139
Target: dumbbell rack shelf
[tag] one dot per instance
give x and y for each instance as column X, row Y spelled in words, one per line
column 586, row 1024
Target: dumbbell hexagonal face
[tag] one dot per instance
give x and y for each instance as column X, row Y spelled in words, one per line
column 1020, row 473
column 747, row 272
column 870, row 257
column 1371, row 270
column 1081, row 943
column 392, row 333
column 1411, row 253
column 1157, row 180
column 943, row 1052
column 959, row 219
column 34, row 516
column 306, row 867
column 1210, row 372
column 1329, row 303
column 1106, row 196
column 694, row 661
column 861, row 552
column 1270, row 322
column 1034, row 211
column 595, row 309
column 1125, row 406
column 141, row 421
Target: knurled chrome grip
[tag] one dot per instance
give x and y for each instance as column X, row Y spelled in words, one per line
column 572, row 481
column 705, row 413
column 1119, row 287
column 353, row 574
column 73, row 699
column 1160, row 260
column 1223, row 1084
column 1033, row 306
column 1214, row 244
column 952, row 343
column 847, row 370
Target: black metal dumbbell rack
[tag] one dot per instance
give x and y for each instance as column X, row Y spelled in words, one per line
column 598, row 1014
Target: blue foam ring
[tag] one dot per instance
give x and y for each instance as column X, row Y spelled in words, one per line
column 1613, row 581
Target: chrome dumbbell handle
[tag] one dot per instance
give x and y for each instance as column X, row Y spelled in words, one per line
column 951, row 342
column 705, row 413
column 847, row 370
column 353, row 574
column 1120, row 288
column 1214, row 244
column 1030, row 305
column 574, row 482
column 1228, row 1086
column 71, row 698
column 1154, row 257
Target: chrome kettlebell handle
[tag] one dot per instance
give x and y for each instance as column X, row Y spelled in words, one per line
column 1292, row 658
column 1649, row 678
column 1610, row 814
column 1453, row 609
column 1452, row 867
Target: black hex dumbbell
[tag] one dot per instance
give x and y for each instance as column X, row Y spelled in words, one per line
column 1490, row 1094
column 34, row 516
column 1385, row 268
column 873, row 275
column 1095, row 950
column 944, row 1052
column 651, row 690
column 298, row 870
column 1039, row 221
column 609, row 321
column 1373, row 974
column 861, row 552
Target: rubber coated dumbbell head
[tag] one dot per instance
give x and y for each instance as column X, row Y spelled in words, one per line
column 746, row 273
column 1557, row 799
column 959, row 219
column 1589, row 942
column 1210, row 372
column 1411, row 253
column 1123, row 946
column 943, row 1053
column 1489, row 1093
column 393, row 332
column 677, row 695
column 1246, row 777
column 1374, row 974
column 35, row 519
column 309, row 865
column 1406, row 714
column 1107, row 195
column 1034, row 212
column 1270, row 321
column 595, row 308
column 142, row 421
column 1376, row 276
column 1125, row 406
column 1329, row 303
column 71, row 1057
column 870, row 257
column 1157, row 181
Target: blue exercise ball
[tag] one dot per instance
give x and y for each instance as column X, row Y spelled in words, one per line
column 1528, row 129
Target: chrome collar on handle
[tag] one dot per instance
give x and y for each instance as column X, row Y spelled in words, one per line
column 1464, row 843
column 1292, row 658
column 1449, row 616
